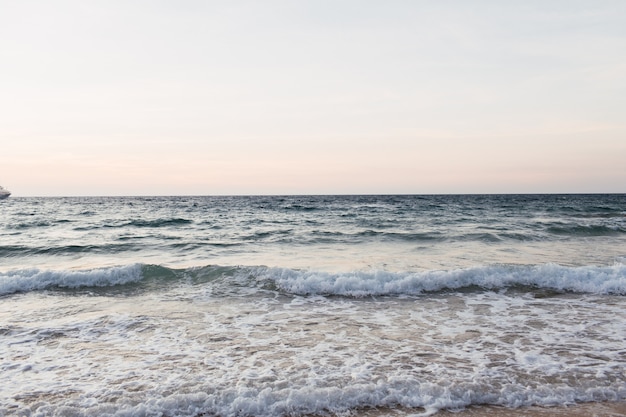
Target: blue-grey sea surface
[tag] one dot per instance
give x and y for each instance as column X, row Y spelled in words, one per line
column 310, row 305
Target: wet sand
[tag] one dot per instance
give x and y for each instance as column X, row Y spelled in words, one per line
column 608, row 409
column 581, row 410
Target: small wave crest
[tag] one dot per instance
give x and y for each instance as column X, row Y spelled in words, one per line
column 586, row 230
column 34, row 279
column 159, row 222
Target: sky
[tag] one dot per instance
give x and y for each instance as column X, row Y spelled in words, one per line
column 187, row 97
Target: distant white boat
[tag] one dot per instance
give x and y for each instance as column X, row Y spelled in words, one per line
column 4, row 193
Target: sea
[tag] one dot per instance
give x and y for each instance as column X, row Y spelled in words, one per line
column 398, row 305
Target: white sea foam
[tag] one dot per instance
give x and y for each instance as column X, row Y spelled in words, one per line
column 318, row 401
column 587, row 279
column 151, row 356
column 34, row 279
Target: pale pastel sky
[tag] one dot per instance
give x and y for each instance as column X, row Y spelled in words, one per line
column 160, row 97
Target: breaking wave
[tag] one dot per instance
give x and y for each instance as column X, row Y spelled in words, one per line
column 231, row 279
column 27, row 280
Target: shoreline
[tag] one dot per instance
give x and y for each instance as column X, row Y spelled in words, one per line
column 592, row 409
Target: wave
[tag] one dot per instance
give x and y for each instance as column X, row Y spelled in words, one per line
column 397, row 396
column 138, row 223
column 588, row 279
column 19, row 250
column 230, row 280
column 484, row 235
column 36, row 224
column 159, row 222
column 586, row 230
column 34, row 279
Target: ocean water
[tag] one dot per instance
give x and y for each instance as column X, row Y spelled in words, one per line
column 310, row 306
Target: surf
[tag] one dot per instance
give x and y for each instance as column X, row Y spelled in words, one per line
column 608, row 280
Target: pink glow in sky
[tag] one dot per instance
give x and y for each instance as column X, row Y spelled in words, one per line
column 310, row 97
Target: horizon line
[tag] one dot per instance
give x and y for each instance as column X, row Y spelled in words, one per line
column 314, row 194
